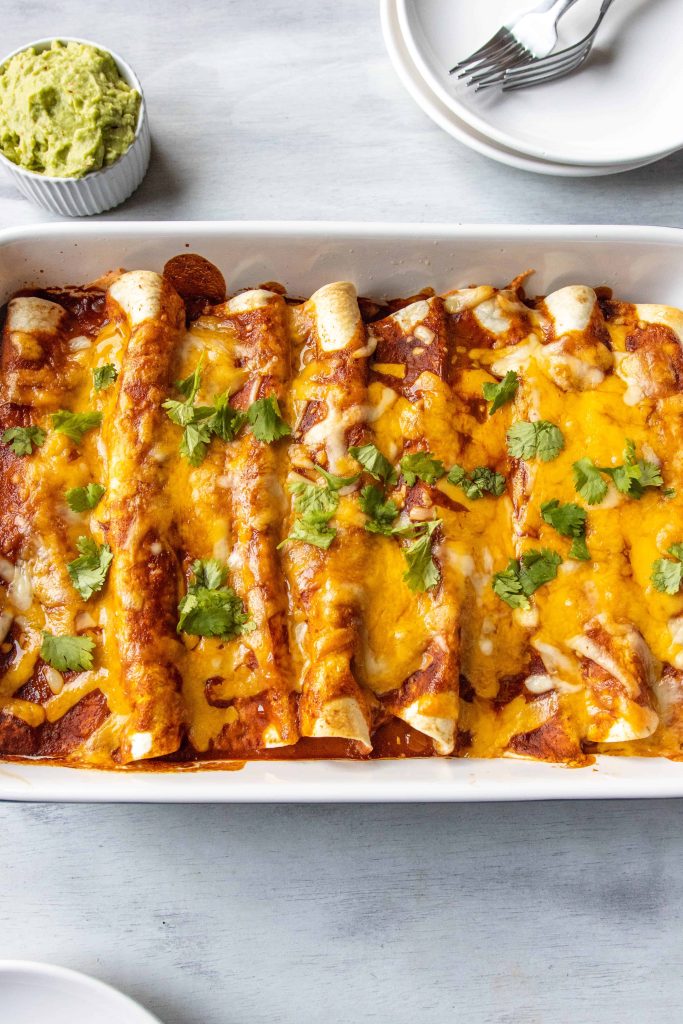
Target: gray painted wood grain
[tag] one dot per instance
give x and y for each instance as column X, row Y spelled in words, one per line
column 221, row 915
column 491, row 914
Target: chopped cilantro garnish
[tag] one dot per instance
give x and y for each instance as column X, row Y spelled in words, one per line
column 189, row 386
column 224, row 421
column 579, row 550
column 376, row 464
column 588, row 482
column 209, row 608
column 570, row 521
column 209, row 573
column 380, row 512
column 265, row 420
column 315, row 504
column 104, row 376
column 67, row 653
column 79, row 499
column 22, row 439
column 75, row 424
column 478, row 482
column 667, row 574
column 539, row 439
column 195, row 442
column 635, row 475
column 423, row 466
column 335, row 483
column 201, row 422
column 422, row 572
column 319, row 534
column 524, row 576
column 89, row 571
column 499, row 394
column 631, row 479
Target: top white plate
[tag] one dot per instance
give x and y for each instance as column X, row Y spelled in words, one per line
column 33, row 992
column 623, row 106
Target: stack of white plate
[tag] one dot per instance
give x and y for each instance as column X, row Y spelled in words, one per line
column 620, row 111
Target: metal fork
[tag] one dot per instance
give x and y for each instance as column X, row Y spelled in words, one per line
column 545, row 69
column 531, row 35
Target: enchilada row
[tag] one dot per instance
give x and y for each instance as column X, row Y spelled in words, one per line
column 255, row 526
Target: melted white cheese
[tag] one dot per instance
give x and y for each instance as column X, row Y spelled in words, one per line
column 338, row 318
column 138, row 293
column 570, row 308
column 255, row 298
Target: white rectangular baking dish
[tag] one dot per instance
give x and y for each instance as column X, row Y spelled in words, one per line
column 639, row 263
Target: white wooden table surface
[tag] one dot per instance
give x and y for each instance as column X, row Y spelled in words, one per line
column 216, row 915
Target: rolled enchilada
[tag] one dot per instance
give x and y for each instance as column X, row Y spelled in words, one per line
column 145, row 571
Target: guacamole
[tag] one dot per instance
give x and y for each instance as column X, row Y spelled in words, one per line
column 65, row 111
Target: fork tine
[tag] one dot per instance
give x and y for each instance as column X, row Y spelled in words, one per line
column 510, row 56
column 551, row 62
column 496, row 71
column 538, row 75
column 494, row 56
column 495, row 40
column 553, row 59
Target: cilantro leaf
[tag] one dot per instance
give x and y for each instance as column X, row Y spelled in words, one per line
column 423, row 466
column 319, row 534
column 376, row 464
column 537, row 568
column 189, row 386
column 422, row 572
column 75, row 424
column 677, row 551
column 479, row 482
column 209, row 573
column 507, row 585
column 335, row 483
column 201, row 422
column 569, row 520
column 381, row 514
column 315, row 504
column 524, row 576
column 79, row 499
column 22, row 439
column 180, row 413
column 104, row 376
column 265, row 420
column 88, row 572
column 195, row 442
column 539, row 439
column 549, row 441
column 456, row 475
column 521, row 440
column 67, row 653
column 635, row 475
column 224, row 421
column 667, row 575
column 209, row 608
column 500, row 394
column 579, row 550
column 588, row 482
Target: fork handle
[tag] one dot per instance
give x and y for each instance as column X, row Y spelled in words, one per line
column 547, row 5
column 559, row 7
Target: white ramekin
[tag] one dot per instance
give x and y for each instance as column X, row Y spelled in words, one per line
column 99, row 190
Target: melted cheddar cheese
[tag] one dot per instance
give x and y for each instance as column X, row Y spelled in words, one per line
column 340, row 656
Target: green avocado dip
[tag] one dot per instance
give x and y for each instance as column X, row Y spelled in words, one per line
column 65, row 111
